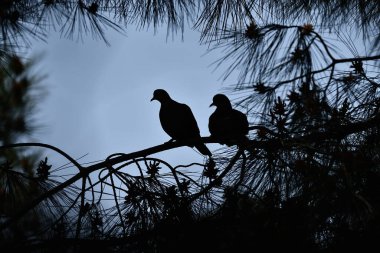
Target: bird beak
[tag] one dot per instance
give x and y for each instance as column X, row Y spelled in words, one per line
column 153, row 98
column 212, row 104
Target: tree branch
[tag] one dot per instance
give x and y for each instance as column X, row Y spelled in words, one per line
column 341, row 131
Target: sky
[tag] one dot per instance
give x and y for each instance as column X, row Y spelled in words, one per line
column 98, row 97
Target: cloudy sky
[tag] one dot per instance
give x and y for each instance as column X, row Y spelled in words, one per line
column 98, row 97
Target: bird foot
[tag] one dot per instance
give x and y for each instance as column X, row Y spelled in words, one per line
column 169, row 141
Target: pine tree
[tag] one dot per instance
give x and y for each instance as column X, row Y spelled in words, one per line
column 308, row 180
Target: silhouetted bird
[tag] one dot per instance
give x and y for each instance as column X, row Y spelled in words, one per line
column 227, row 125
column 178, row 121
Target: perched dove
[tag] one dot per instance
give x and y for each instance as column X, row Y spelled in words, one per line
column 178, row 121
column 227, row 125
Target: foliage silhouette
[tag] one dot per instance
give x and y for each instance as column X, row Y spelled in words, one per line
column 308, row 178
column 19, row 179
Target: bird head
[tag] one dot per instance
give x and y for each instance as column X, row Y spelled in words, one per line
column 221, row 101
column 160, row 95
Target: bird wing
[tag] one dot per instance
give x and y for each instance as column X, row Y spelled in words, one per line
column 228, row 124
column 241, row 122
column 178, row 121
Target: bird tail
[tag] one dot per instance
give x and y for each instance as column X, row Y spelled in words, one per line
column 203, row 149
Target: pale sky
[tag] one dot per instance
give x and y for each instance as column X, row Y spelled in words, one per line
column 98, row 100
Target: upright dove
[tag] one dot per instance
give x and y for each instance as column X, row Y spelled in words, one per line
column 227, row 125
column 178, row 121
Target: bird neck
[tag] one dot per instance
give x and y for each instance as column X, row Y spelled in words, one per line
column 166, row 102
column 224, row 108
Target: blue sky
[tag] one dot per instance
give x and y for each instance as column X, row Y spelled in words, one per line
column 98, row 97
